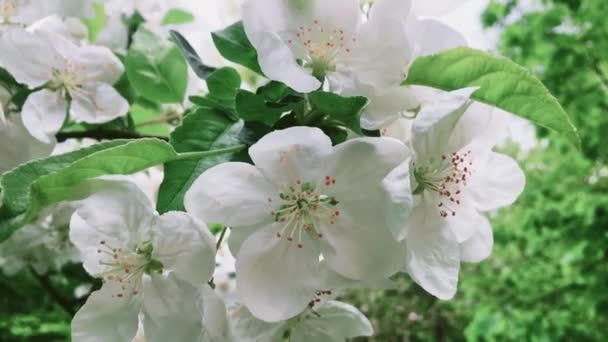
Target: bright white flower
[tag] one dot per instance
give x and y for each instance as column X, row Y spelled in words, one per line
column 28, row 11
column 44, row 245
column 331, row 321
column 17, row 146
column 150, row 264
column 303, row 197
column 456, row 178
column 67, row 72
column 302, row 42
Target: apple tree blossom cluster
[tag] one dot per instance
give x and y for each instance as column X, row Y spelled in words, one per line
column 230, row 183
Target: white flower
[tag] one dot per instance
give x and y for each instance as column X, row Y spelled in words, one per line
column 331, row 321
column 44, row 245
column 456, row 178
column 151, row 264
column 302, row 42
column 66, row 72
column 303, row 197
column 28, row 11
column 17, row 146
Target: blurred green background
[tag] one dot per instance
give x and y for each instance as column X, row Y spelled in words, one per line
column 547, row 279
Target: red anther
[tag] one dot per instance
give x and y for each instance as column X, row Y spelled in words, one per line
column 319, row 235
column 269, row 199
column 282, row 219
column 453, row 213
column 440, row 205
column 103, row 242
column 298, row 181
column 289, row 238
column 333, row 181
column 337, row 213
column 119, row 295
column 278, row 234
column 300, row 245
column 135, row 293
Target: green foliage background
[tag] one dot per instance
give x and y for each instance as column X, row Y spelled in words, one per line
column 547, row 279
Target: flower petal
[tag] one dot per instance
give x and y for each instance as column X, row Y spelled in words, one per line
column 263, row 21
column 337, row 321
column 43, row 114
column 290, row 154
column 31, row 59
column 433, row 255
column 480, row 245
column 234, row 194
column 399, row 200
column 119, row 216
column 105, row 318
column 172, row 309
column 385, row 105
column 436, row 7
column 185, row 246
column 17, row 145
column 276, row 279
column 215, row 317
column 247, row 328
column 99, row 64
column 497, row 182
column 433, row 37
column 97, row 103
column 435, row 123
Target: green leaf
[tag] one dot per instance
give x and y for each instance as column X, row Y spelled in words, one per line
column 196, row 63
column 124, row 159
column 156, row 68
column 16, row 183
column 147, row 120
column 96, row 23
column 503, row 84
column 345, row 111
column 223, row 86
column 252, row 107
column 233, row 44
column 274, row 91
column 202, row 130
column 177, row 16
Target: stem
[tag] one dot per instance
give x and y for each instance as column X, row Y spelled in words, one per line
column 104, row 135
column 159, row 121
column 57, row 297
column 221, row 239
column 212, row 153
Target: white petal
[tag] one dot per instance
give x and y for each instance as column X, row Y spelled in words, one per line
column 99, row 64
column 276, row 279
column 263, row 21
column 216, row 326
column 44, row 113
column 247, row 328
column 479, row 246
column 497, row 182
column 104, row 318
column 29, row 57
column 400, row 130
column 399, row 200
column 337, row 321
column 433, row 37
column 17, row 145
column 185, row 246
column 234, row 194
column 433, row 256
column 120, row 216
column 97, row 103
column 435, row 7
column 288, row 155
column 238, row 236
column 172, row 309
column 435, row 123
column 382, row 50
column 386, row 105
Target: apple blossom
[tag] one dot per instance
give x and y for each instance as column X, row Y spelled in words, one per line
column 150, row 264
column 17, row 145
column 330, row 321
column 28, row 11
column 64, row 76
column 456, row 178
column 303, row 197
column 44, row 244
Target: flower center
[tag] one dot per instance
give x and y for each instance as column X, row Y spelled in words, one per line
column 8, row 9
column 446, row 178
column 320, row 48
column 68, row 78
column 304, row 208
column 126, row 268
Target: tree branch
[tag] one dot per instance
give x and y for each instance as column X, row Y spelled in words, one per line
column 57, row 297
column 104, row 135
